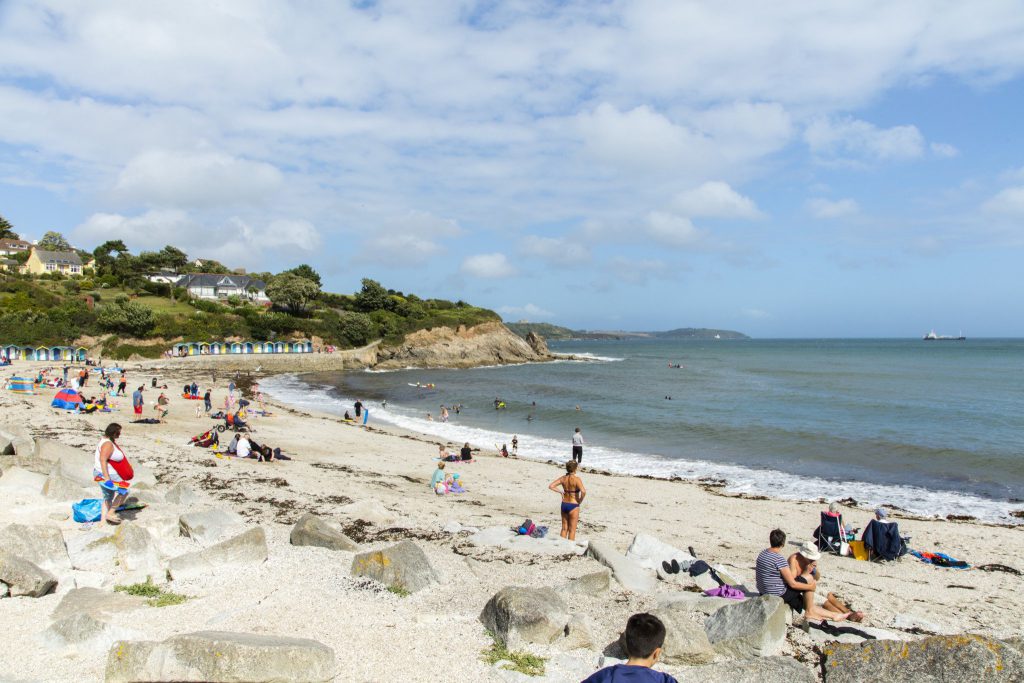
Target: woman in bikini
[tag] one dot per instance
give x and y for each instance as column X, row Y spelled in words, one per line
column 573, row 492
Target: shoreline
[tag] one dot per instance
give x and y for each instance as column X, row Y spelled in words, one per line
column 372, row 483
column 739, row 480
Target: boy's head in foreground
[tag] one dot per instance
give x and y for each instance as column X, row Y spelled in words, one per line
column 645, row 635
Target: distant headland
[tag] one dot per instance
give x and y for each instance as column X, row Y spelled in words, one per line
column 557, row 333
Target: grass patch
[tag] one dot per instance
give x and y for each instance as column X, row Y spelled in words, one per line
column 523, row 662
column 158, row 597
column 399, row 591
column 162, row 304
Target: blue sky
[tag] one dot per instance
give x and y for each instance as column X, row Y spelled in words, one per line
column 783, row 169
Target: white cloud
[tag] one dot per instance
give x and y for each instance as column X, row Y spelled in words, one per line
column 529, row 312
column 640, row 138
column 756, row 313
column 234, row 241
column 944, row 150
column 1007, row 202
column 829, row 209
column 490, row 266
column 715, row 199
column 195, row 179
column 407, row 238
column 556, row 250
column 636, row 271
column 672, row 230
column 849, row 139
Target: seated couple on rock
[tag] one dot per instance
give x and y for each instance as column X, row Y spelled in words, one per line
column 796, row 579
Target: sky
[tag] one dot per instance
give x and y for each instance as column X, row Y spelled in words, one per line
column 785, row 169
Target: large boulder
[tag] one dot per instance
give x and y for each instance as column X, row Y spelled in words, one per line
column 965, row 657
column 593, row 584
column 649, row 552
column 98, row 603
column 760, row 670
column 137, row 554
column 221, row 656
column 518, row 616
column 59, row 486
column 368, row 511
column 23, row 577
column 403, row 566
column 19, row 481
column 40, row 544
column 183, row 494
column 627, row 572
column 311, row 530
column 752, row 628
column 685, row 601
column 92, row 550
column 225, row 557
column 686, row 642
column 17, row 440
column 210, row 526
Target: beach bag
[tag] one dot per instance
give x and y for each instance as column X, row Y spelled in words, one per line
column 539, row 532
column 123, row 469
column 87, row 510
column 527, row 528
column 700, row 567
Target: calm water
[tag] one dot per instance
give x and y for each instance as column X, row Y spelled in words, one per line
column 934, row 427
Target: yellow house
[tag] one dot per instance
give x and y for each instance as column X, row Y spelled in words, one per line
column 40, row 262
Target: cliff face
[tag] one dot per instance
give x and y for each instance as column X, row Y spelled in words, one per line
column 486, row 344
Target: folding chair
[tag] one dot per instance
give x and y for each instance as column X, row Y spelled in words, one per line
column 827, row 534
column 884, row 542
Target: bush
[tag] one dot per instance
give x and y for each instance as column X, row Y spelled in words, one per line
column 71, row 286
column 127, row 317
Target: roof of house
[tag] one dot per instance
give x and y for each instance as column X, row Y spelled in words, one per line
column 214, row 280
column 14, row 244
column 64, row 257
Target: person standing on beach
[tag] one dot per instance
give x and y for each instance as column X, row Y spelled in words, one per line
column 515, row 445
column 359, row 407
column 137, row 402
column 577, row 446
column 122, row 385
column 207, row 401
column 444, row 413
column 573, row 492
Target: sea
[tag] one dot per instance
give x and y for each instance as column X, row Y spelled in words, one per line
column 932, row 427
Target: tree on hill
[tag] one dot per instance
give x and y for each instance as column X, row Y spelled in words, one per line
column 373, row 297
column 54, row 241
column 7, row 230
column 128, row 317
column 174, row 258
column 292, row 292
column 307, row 272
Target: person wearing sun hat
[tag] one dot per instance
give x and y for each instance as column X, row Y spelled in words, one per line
column 795, row 580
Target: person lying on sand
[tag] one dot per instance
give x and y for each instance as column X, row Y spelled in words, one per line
column 796, row 579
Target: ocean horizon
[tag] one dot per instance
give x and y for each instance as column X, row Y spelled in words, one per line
column 929, row 427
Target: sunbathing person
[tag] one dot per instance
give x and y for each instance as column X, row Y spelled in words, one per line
column 795, row 580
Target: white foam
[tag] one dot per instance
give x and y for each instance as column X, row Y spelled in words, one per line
column 588, row 357
column 782, row 485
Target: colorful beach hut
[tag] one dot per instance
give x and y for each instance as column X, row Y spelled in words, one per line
column 12, row 351
column 81, row 353
column 248, row 348
column 67, row 399
column 20, row 385
column 235, row 347
column 42, row 353
column 279, row 347
column 216, row 348
column 28, row 353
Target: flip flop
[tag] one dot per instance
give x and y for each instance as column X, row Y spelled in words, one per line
column 667, row 567
column 675, row 566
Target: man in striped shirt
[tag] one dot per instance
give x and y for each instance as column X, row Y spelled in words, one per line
column 794, row 580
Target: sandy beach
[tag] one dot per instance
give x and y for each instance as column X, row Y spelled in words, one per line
column 373, row 484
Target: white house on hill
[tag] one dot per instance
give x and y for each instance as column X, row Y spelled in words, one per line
column 217, row 287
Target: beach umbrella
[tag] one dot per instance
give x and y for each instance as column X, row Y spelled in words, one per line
column 67, row 399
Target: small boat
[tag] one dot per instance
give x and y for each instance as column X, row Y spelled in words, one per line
column 718, row 336
column 931, row 336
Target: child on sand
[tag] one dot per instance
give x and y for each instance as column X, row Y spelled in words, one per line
column 644, row 638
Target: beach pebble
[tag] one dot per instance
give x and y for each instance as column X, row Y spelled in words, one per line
column 752, row 628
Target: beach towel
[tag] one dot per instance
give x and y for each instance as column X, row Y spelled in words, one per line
column 725, row 591
column 940, row 560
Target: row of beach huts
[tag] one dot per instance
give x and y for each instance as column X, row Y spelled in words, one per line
column 70, row 353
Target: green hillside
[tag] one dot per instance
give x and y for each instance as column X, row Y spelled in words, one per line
column 114, row 302
column 547, row 330
column 556, row 333
column 699, row 333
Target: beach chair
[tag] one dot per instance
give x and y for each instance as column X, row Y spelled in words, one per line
column 827, row 534
column 884, row 542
